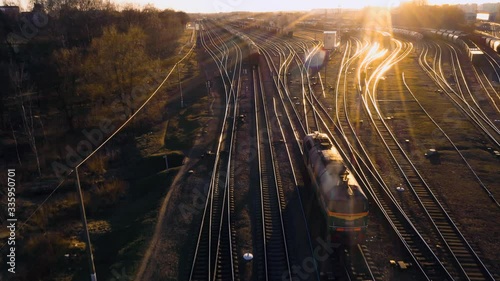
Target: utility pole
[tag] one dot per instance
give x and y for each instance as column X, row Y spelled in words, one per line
column 88, row 247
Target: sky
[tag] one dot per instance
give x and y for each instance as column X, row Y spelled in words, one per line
column 211, row 6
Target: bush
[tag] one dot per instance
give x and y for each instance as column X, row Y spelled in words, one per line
column 106, row 195
column 97, row 164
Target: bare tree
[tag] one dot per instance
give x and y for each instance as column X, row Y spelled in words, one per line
column 23, row 96
column 68, row 63
column 54, row 6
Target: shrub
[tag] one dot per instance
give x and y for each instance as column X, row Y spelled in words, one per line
column 106, row 195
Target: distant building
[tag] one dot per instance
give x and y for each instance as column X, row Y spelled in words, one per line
column 490, row 7
column 484, row 16
column 483, row 12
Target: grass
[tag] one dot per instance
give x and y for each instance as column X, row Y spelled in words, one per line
column 185, row 125
column 122, row 247
column 146, row 166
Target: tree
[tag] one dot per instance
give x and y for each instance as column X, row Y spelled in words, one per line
column 68, row 63
column 23, row 96
column 116, row 65
column 54, row 6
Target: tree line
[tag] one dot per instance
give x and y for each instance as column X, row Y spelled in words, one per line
column 65, row 63
column 65, row 66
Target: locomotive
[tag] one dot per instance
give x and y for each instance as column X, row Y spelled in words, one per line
column 341, row 199
column 253, row 54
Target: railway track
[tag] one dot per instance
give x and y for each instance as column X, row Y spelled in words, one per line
column 450, row 244
column 403, row 228
column 273, row 246
column 390, row 209
column 362, row 265
column 420, row 252
column 288, row 140
column 432, row 267
column 357, row 270
column 215, row 256
column 439, row 252
column 360, row 268
column 476, row 117
column 458, row 244
column 474, row 114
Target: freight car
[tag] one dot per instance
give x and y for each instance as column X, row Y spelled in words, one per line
column 340, row 197
column 492, row 42
column 475, row 54
column 407, row 33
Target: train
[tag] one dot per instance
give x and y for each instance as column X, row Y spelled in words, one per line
column 407, row 33
column 492, row 42
column 342, row 201
column 475, row 54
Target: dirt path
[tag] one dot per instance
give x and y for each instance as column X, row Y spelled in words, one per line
column 152, row 250
column 159, row 241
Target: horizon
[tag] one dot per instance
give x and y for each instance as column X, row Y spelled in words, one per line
column 227, row 6
column 217, row 6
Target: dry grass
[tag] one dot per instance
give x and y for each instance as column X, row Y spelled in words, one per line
column 107, row 194
column 47, row 249
column 41, row 218
column 97, row 164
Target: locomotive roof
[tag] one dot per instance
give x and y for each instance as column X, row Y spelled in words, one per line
column 334, row 165
column 328, row 152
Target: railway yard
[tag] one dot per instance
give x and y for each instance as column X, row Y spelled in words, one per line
column 415, row 117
